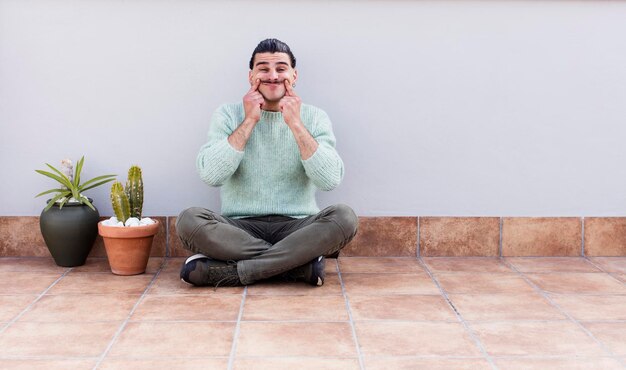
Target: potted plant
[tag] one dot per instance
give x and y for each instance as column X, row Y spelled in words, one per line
column 69, row 221
column 127, row 236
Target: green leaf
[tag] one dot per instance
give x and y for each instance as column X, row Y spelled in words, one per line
column 49, row 191
column 57, row 197
column 79, row 168
column 62, row 180
column 86, row 186
column 88, row 203
column 94, row 185
column 63, row 202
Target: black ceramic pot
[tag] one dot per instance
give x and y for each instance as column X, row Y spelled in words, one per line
column 69, row 232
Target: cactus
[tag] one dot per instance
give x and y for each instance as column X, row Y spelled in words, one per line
column 134, row 191
column 119, row 200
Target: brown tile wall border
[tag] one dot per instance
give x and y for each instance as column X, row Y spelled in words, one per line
column 459, row 236
column 398, row 236
column 541, row 236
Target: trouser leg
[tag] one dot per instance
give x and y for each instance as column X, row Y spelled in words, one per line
column 300, row 241
column 218, row 237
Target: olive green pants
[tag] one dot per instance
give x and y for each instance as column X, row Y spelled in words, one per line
column 268, row 245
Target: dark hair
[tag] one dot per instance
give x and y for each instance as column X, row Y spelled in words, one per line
column 273, row 46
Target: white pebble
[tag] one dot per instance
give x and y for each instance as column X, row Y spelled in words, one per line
column 146, row 221
column 133, row 221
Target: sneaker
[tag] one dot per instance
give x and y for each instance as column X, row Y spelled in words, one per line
column 312, row 273
column 200, row 270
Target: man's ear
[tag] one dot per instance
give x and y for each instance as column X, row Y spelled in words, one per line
column 295, row 76
column 250, row 77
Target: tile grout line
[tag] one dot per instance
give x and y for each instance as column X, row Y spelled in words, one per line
column 25, row 310
column 611, row 274
column 564, row 313
column 168, row 252
column 500, row 241
column 459, row 317
column 351, row 319
column 132, row 311
column 582, row 237
column 418, row 238
column 233, row 348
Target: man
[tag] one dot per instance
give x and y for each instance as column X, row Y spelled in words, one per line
column 269, row 154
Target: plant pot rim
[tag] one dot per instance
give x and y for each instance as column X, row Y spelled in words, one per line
column 73, row 204
column 127, row 232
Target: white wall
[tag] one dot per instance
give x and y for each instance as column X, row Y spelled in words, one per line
column 489, row 108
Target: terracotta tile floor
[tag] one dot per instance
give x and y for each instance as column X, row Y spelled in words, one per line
column 372, row 313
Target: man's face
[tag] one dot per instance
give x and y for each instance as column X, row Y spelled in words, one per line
column 272, row 69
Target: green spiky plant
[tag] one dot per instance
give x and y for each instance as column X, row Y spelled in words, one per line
column 71, row 188
column 128, row 202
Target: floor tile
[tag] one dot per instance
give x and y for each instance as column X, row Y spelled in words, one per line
column 468, row 264
column 30, row 264
column 598, row 363
column 164, row 364
column 611, row 264
column 611, row 334
column 57, row 339
column 101, row 283
column 572, row 283
column 77, row 308
column 380, row 265
column 477, row 283
column 492, row 307
column 371, row 284
column 164, row 339
column 414, row 338
column 24, row 364
column 331, row 286
column 170, row 283
column 295, row 339
column 12, row 305
column 100, row 264
column 300, row 363
column 188, row 308
column 408, row 363
column 173, row 265
column 12, row 282
column 552, row 264
column 592, row 307
column 305, row 308
column 538, row 338
column 331, row 266
column 401, row 307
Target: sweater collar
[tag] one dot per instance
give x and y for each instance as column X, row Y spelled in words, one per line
column 271, row 117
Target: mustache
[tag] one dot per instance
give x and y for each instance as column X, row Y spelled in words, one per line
column 279, row 82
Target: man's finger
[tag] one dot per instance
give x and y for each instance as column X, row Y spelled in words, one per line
column 289, row 88
column 255, row 85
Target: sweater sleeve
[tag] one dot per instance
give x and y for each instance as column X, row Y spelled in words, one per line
column 324, row 167
column 217, row 159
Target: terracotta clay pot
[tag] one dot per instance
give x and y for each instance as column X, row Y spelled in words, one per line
column 128, row 248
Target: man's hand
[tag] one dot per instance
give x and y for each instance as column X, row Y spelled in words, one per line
column 290, row 105
column 253, row 102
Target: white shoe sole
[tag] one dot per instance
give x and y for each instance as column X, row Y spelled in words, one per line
column 195, row 257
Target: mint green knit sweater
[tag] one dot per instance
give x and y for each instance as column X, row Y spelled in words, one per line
column 269, row 177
